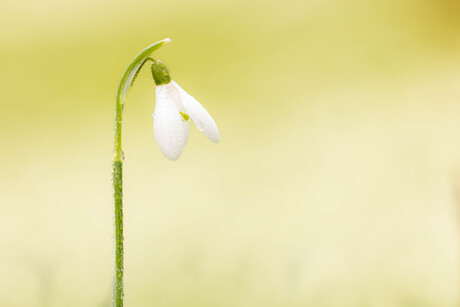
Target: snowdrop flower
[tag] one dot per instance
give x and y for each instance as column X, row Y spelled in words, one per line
column 173, row 110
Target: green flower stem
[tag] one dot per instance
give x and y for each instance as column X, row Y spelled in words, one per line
column 117, row 286
column 117, row 167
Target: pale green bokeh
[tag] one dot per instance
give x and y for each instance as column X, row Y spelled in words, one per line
column 334, row 183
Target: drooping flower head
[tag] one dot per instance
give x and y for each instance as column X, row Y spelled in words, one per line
column 174, row 108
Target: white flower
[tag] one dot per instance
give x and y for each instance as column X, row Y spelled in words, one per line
column 173, row 109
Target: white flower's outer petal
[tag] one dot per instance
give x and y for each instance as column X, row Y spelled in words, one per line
column 204, row 122
column 169, row 127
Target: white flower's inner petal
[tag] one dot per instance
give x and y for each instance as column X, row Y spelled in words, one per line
column 204, row 122
column 169, row 127
column 185, row 126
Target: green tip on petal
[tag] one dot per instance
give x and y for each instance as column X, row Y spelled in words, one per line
column 185, row 116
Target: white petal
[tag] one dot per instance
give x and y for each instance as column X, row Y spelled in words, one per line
column 204, row 122
column 169, row 127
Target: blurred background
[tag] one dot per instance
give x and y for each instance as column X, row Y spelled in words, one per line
column 336, row 181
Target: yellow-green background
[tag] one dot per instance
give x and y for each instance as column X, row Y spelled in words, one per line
column 336, row 181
